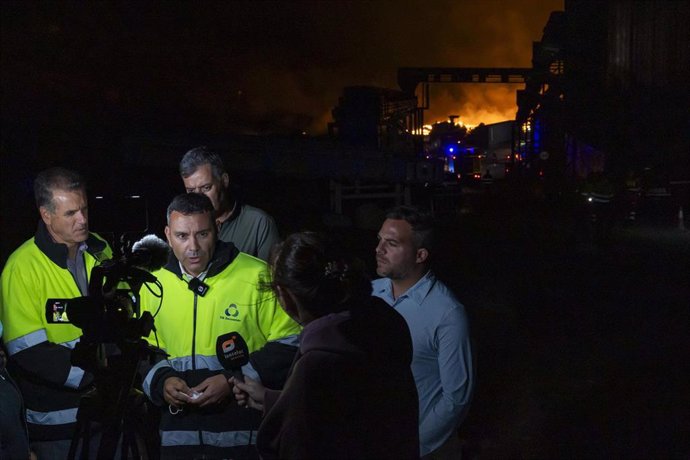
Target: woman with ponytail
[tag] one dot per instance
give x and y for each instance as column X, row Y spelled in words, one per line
column 350, row 392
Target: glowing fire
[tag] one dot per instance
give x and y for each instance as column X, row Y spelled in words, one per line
column 477, row 103
column 426, row 129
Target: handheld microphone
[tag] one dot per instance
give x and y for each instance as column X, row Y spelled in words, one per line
column 233, row 353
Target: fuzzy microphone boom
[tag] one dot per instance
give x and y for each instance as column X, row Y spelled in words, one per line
column 149, row 253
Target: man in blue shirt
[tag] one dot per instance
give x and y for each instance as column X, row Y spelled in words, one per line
column 442, row 357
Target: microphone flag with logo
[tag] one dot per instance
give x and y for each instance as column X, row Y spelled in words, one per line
column 233, row 353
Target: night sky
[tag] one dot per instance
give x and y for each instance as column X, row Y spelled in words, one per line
column 251, row 67
column 85, row 83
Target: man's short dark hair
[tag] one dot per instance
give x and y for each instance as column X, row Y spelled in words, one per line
column 421, row 221
column 190, row 203
column 199, row 156
column 52, row 179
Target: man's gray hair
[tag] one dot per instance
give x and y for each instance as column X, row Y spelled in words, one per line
column 199, row 156
column 52, row 179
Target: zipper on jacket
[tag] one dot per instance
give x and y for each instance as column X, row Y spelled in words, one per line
column 201, row 434
column 194, row 333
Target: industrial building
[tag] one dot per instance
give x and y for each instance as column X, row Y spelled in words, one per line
column 608, row 92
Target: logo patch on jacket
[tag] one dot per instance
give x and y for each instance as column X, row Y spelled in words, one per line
column 231, row 313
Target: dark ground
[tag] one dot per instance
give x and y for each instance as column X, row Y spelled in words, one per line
column 582, row 348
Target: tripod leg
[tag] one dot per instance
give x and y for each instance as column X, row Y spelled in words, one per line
column 109, row 441
column 75, row 441
column 82, row 432
column 129, row 445
column 86, row 440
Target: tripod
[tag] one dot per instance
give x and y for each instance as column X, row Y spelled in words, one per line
column 112, row 407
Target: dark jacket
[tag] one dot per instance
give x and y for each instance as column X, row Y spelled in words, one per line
column 14, row 440
column 350, row 394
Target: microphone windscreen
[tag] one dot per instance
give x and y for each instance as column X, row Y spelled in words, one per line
column 150, row 253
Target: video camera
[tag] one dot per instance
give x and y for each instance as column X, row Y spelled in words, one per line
column 110, row 312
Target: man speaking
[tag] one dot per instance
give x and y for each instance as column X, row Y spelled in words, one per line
column 212, row 305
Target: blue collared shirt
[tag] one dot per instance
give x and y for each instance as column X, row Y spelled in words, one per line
column 77, row 268
column 442, row 356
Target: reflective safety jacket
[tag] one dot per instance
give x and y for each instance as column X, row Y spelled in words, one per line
column 188, row 325
column 39, row 351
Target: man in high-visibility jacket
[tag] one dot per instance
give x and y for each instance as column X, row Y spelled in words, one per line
column 211, row 293
column 55, row 264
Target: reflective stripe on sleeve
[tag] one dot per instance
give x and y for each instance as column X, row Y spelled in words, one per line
column 35, row 338
column 184, row 363
column 181, row 364
column 191, row 438
column 56, row 417
column 210, row 362
column 26, row 341
column 71, row 344
column 76, row 374
column 146, row 385
column 249, row 371
column 289, row 340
